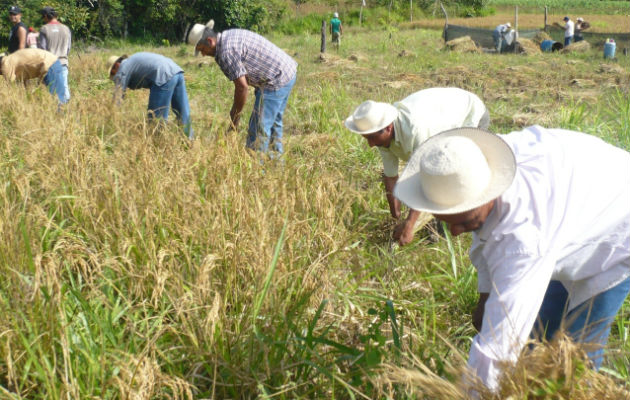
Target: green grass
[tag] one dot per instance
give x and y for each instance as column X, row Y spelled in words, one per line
column 136, row 265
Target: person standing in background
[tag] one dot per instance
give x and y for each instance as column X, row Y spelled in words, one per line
column 31, row 38
column 17, row 36
column 569, row 29
column 57, row 39
column 336, row 29
column 579, row 27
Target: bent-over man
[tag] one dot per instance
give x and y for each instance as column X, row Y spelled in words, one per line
column 248, row 59
column 397, row 130
column 163, row 78
column 26, row 64
column 549, row 212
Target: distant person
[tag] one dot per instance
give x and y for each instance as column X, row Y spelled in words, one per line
column 549, row 213
column 498, row 36
column 580, row 26
column 31, row 38
column 163, row 78
column 336, row 29
column 25, row 64
column 569, row 30
column 248, row 59
column 17, row 36
column 397, row 130
column 56, row 38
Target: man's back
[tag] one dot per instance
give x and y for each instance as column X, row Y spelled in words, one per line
column 56, row 38
column 335, row 24
column 27, row 64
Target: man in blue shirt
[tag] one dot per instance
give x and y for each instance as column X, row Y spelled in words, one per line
column 161, row 76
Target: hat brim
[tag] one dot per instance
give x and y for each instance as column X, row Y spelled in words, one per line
column 501, row 162
column 111, row 64
column 391, row 113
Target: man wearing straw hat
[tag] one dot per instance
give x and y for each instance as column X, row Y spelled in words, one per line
column 397, row 130
column 550, row 218
column 248, row 59
column 498, row 36
column 163, row 78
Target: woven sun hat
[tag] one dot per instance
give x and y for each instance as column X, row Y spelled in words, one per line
column 508, row 24
column 196, row 33
column 580, row 19
column 456, row 171
column 112, row 60
column 370, row 117
column 336, row 15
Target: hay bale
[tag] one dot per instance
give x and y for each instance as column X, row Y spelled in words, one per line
column 527, row 47
column 462, row 44
column 611, row 69
column 540, row 37
column 356, row 57
column 577, row 47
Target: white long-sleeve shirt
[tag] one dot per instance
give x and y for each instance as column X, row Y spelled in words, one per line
column 426, row 113
column 565, row 217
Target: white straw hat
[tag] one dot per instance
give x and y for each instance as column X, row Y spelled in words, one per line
column 456, row 171
column 112, row 60
column 196, row 32
column 508, row 24
column 336, row 15
column 370, row 117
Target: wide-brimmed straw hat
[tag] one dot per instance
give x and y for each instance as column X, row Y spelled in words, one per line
column 456, row 171
column 196, row 33
column 113, row 60
column 370, row 117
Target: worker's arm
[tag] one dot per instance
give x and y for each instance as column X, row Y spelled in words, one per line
column 21, row 33
column 477, row 316
column 240, row 97
column 403, row 232
column 394, row 204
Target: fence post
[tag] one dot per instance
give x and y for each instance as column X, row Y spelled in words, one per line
column 410, row 10
column 545, row 28
column 323, row 47
column 516, row 18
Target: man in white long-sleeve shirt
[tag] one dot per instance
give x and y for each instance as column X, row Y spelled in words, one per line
column 550, row 214
column 397, row 130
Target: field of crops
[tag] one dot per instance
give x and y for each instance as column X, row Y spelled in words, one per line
column 138, row 265
column 619, row 7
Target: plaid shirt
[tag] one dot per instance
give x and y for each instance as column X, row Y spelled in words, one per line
column 244, row 53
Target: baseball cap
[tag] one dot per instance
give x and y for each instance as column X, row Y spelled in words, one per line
column 15, row 10
column 47, row 11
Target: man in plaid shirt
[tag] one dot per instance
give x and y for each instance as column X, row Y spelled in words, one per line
column 247, row 58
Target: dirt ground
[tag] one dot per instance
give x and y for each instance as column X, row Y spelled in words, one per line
column 599, row 23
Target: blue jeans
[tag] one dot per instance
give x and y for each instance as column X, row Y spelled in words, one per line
column 171, row 94
column 567, row 40
column 497, row 37
column 54, row 80
column 265, row 124
column 64, row 77
column 589, row 322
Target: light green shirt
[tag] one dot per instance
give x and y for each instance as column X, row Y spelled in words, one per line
column 424, row 114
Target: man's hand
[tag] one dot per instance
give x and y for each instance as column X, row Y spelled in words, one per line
column 403, row 232
column 240, row 97
column 477, row 316
column 394, row 204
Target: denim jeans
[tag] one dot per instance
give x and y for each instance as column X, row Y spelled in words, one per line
column 171, row 94
column 55, row 82
column 589, row 322
column 567, row 40
column 64, row 77
column 265, row 124
column 497, row 37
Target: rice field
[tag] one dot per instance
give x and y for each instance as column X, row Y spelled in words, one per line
column 138, row 265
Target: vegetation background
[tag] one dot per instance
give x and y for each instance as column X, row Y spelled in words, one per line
column 135, row 264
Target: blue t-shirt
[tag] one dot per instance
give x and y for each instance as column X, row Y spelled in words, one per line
column 143, row 70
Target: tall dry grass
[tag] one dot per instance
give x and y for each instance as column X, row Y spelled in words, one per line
column 136, row 264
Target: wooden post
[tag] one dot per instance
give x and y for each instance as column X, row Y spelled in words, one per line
column 445, row 33
column 545, row 28
column 323, row 47
column 516, row 18
column 361, row 13
column 410, row 10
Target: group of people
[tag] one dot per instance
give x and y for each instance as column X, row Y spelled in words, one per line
column 549, row 209
column 39, row 55
column 573, row 31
